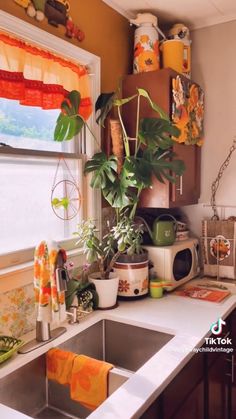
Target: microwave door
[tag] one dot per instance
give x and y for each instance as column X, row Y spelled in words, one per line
column 182, row 264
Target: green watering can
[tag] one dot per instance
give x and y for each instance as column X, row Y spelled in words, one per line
column 164, row 231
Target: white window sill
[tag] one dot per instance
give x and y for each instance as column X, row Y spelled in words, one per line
column 20, row 275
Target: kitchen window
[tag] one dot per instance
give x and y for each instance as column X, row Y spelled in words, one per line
column 30, row 159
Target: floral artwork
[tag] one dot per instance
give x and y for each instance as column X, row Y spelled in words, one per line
column 146, row 55
column 17, row 311
column 188, row 111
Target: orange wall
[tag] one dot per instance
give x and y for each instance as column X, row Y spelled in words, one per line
column 107, row 34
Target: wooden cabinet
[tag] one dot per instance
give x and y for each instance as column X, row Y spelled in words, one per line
column 192, row 407
column 217, row 388
column 205, row 388
column 186, row 190
column 184, row 396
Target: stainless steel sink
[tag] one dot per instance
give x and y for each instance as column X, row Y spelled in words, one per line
column 126, row 346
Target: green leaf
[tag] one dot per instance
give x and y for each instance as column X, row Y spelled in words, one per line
column 67, row 127
column 120, row 102
column 104, row 104
column 139, row 171
column 156, row 132
column 66, row 108
column 117, row 195
column 70, row 105
column 104, row 169
column 154, row 106
column 75, row 98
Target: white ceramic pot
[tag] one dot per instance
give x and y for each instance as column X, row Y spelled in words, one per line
column 107, row 289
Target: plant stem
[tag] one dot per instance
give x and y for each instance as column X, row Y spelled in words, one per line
column 125, row 136
column 133, row 211
column 117, row 215
column 91, row 132
column 111, row 264
column 137, row 125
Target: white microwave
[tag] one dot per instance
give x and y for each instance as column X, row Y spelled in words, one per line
column 175, row 264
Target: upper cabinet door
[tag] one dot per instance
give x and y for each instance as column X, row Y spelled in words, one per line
column 159, row 84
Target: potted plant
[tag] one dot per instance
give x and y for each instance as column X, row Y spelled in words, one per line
column 132, row 263
column 122, row 176
column 102, row 255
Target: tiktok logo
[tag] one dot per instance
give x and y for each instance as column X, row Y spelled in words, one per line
column 216, row 328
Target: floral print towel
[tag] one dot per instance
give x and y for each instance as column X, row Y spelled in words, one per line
column 50, row 304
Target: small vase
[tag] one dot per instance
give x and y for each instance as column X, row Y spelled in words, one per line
column 107, row 289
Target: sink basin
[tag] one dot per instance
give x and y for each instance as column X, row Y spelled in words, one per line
column 121, row 344
column 126, row 346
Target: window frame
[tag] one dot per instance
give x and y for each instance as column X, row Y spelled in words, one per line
column 30, row 33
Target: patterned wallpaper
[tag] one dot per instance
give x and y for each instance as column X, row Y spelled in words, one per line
column 17, row 311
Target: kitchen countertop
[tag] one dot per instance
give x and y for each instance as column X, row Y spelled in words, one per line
column 187, row 319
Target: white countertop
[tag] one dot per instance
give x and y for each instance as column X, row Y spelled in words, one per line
column 188, row 320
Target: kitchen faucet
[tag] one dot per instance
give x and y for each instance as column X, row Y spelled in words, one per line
column 43, row 332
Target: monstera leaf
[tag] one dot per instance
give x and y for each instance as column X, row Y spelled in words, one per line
column 121, row 193
column 104, row 104
column 139, row 171
column 69, row 123
column 156, row 132
column 104, row 169
column 164, row 164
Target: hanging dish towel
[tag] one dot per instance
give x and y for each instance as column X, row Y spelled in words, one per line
column 59, row 365
column 50, row 304
column 219, row 248
column 89, row 381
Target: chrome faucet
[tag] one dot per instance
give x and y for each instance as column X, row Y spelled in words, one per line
column 43, row 332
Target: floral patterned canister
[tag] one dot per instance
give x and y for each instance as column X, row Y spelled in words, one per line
column 133, row 275
column 146, row 49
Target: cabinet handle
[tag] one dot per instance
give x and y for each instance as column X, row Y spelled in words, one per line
column 231, row 374
column 180, row 189
column 232, row 369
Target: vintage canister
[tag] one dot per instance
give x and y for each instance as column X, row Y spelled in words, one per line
column 146, row 43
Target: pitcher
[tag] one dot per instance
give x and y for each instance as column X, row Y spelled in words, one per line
column 180, row 32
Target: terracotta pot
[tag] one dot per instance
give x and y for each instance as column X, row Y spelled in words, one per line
column 106, row 288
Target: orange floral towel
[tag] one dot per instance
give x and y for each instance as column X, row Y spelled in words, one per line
column 89, row 381
column 50, row 303
column 59, row 365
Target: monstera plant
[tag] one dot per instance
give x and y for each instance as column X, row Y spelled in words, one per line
column 123, row 175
